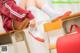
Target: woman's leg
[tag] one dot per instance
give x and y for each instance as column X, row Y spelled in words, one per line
column 40, row 3
column 30, row 3
column 40, row 18
column 43, row 5
column 21, row 3
column 36, row 44
column 39, row 15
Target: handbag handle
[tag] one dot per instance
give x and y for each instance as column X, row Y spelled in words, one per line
column 76, row 28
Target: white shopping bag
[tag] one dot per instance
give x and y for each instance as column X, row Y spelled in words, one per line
column 36, row 45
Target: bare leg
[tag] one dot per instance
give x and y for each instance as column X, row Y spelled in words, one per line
column 40, row 3
column 23, row 4
column 44, row 6
column 30, row 3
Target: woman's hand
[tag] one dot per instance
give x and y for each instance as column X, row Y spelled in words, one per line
column 33, row 23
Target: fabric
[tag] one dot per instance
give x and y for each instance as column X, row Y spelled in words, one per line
column 9, row 10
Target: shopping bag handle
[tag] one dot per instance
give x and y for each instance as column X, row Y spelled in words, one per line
column 76, row 28
column 37, row 38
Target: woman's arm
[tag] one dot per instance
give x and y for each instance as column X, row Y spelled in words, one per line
column 11, row 10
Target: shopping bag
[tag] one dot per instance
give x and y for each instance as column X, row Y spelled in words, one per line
column 53, row 30
column 70, row 43
column 36, row 44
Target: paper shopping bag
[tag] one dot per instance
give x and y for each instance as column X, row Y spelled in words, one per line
column 69, row 43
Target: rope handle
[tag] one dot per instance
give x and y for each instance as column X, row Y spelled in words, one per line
column 76, row 28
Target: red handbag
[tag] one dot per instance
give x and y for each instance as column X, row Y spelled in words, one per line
column 70, row 43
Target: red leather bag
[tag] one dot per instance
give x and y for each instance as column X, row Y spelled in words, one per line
column 70, row 43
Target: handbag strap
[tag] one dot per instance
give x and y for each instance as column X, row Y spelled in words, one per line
column 76, row 28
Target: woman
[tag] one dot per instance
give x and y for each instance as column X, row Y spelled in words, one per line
column 42, row 13
column 9, row 10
